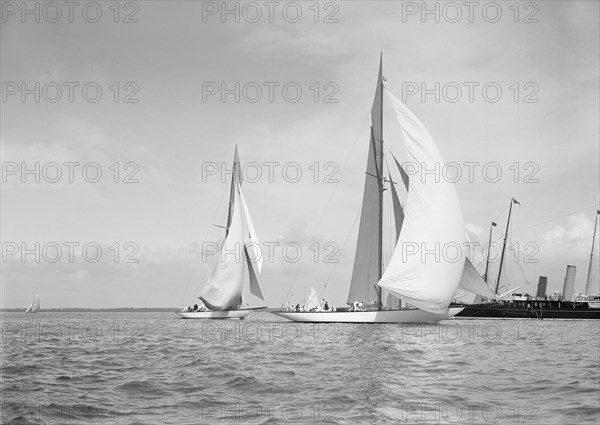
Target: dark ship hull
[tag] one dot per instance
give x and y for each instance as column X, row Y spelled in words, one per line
column 532, row 309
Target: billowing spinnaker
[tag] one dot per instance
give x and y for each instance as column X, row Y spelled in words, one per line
column 428, row 261
column 224, row 288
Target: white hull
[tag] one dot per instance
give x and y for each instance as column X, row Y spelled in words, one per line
column 226, row 314
column 383, row 316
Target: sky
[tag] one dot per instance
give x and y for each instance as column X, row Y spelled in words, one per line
column 155, row 95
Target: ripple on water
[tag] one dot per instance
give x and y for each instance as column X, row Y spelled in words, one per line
column 170, row 373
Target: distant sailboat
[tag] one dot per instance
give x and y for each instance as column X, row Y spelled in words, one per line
column 431, row 217
column 34, row 307
column 223, row 294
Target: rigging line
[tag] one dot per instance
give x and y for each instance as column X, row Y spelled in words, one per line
column 482, row 236
column 341, row 252
column 554, row 219
column 335, row 186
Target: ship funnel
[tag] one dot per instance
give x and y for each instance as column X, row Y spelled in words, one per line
column 541, row 290
column 569, row 284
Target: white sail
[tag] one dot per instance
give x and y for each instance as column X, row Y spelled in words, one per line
column 366, row 271
column 433, row 221
column 36, row 304
column 253, row 253
column 34, row 307
column 589, row 281
column 251, row 240
column 312, row 301
column 224, row 288
column 471, row 281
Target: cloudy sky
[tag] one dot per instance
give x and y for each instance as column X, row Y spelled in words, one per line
column 139, row 96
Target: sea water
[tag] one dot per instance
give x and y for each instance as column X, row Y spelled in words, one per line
column 154, row 368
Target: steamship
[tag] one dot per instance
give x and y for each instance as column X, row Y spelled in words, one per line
column 540, row 306
column 563, row 305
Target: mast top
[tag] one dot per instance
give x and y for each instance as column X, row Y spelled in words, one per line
column 380, row 75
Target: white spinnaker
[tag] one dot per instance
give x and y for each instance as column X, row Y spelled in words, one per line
column 224, row 288
column 433, row 221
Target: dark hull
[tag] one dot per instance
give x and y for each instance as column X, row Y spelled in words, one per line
column 524, row 310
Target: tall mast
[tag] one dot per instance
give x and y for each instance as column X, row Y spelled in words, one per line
column 487, row 263
column 588, row 285
column 512, row 200
column 381, row 188
column 236, row 171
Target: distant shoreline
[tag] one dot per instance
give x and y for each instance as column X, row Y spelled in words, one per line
column 108, row 310
column 77, row 310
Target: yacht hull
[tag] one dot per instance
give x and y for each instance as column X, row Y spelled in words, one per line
column 383, row 316
column 226, row 314
column 531, row 309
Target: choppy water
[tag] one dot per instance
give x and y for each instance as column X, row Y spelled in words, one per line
column 153, row 368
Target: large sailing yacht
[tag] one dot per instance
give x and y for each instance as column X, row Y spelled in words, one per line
column 403, row 288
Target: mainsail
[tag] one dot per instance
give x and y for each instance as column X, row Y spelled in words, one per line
column 433, row 222
column 367, row 260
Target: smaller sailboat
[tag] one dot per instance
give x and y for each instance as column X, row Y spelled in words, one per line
column 34, row 307
column 227, row 294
